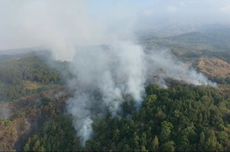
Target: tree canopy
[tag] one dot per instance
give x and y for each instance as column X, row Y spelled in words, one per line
column 181, row 118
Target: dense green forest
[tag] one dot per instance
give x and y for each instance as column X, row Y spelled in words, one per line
column 181, row 118
column 24, row 76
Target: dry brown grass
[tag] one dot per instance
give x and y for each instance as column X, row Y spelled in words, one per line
column 11, row 131
column 29, row 85
column 214, row 67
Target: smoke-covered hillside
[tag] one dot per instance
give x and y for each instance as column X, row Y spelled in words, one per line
column 114, row 75
column 37, row 95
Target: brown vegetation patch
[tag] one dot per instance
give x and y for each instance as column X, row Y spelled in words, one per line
column 214, row 67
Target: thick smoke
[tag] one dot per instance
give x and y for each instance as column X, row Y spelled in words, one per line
column 105, row 74
column 162, row 64
column 106, row 62
column 108, row 73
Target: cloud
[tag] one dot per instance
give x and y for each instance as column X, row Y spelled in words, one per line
column 193, row 12
column 225, row 9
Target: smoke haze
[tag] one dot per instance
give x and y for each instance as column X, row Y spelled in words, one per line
column 106, row 60
column 104, row 74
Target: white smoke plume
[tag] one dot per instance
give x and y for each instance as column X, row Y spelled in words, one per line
column 106, row 61
column 108, row 72
column 104, row 74
column 163, row 64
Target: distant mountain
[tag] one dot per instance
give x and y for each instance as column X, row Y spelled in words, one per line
column 217, row 39
column 209, row 41
column 21, row 52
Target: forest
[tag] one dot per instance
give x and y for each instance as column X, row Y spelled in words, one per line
column 24, row 76
column 182, row 118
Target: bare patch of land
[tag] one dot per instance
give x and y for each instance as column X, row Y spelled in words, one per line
column 214, row 67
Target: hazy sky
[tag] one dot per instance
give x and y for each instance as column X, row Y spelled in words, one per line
column 197, row 8
column 17, row 16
